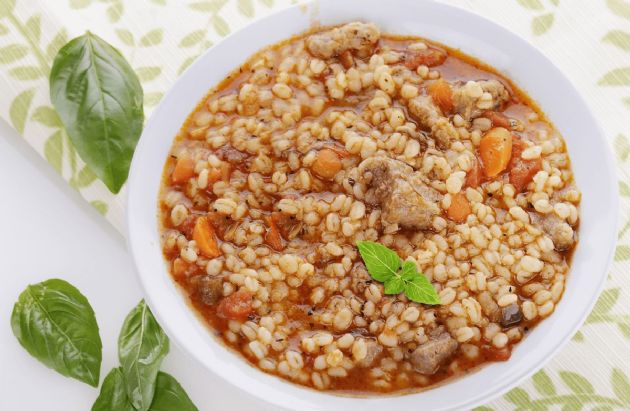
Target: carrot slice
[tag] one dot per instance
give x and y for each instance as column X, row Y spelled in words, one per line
column 442, row 95
column 327, row 164
column 495, row 150
column 206, row 240
column 459, row 209
column 273, row 237
column 184, row 169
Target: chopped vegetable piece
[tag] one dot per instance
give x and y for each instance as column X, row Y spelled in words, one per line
column 522, row 171
column 214, row 175
column 327, row 164
column 474, row 176
column 497, row 119
column 442, row 95
column 495, row 151
column 235, row 306
column 184, row 169
column 346, row 59
column 273, row 237
column 429, row 57
column 206, row 240
column 459, row 208
column 226, row 171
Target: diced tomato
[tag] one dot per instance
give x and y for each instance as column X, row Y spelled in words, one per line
column 429, row 57
column 214, row 175
column 235, row 306
column 346, row 59
column 181, row 268
column 273, row 238
column 497, row 119
column 474, row 177
column 522, row 171
column 442, row 95
column 226, row 171
column 184, row 169
column 498, row 354
column 459, row 209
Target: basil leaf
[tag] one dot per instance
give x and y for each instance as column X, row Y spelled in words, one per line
column 169, row 395
column 142, row 345
column 113, row 396
column 99, row 100
column 55, row 323
column 417, row 287
column 381, row 262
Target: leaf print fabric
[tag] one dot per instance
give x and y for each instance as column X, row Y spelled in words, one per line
column 589, row 40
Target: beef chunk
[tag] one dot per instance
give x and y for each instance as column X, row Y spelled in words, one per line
column 561, row 232
column 210, row 289
column 468, row 97
column 356, row 37
column 400, row 192
column 489, row 306
column 373, row 351
column 427, row 358
column 511, row 315
column 430, row 117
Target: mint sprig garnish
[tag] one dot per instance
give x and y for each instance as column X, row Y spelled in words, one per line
column 397, row 277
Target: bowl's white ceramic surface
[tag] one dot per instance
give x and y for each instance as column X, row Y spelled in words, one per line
column 592, row 162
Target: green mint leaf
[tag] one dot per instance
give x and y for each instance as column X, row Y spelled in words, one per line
column 395, row 285
column 381, row 262
column 55, row 323
column 417, row 287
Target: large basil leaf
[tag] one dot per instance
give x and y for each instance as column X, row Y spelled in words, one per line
column 99, row 100
column 142, row 346
column 55, row 323
column 113, row 396
column 169, row 395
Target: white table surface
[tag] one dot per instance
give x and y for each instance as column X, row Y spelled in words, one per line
column 47, row 230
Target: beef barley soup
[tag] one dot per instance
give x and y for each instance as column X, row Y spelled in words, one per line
column 347, row 135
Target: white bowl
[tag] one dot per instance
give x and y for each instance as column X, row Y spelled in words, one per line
column 593, row 165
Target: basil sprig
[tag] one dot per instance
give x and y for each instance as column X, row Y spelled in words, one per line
column 99, row 100
column 55, row 323
column 397, row 277
column 169, row 394
column 142, row 345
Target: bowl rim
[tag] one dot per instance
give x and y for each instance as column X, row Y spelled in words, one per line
column 278, row 394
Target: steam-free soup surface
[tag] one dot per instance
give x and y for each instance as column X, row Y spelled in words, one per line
column 348, row 134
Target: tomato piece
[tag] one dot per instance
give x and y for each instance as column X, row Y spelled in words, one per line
column 206, row 240
column 522, row 171
column 459, row 209
column 495, row 150
column 273, row 238
column 235, row 306
column 442, row 95
column 497, row 119
column 346, row 59
column 429, row 57
column 184, row 169
column 474, row 176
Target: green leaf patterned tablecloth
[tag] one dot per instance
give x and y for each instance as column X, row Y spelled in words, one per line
column 588, row 39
